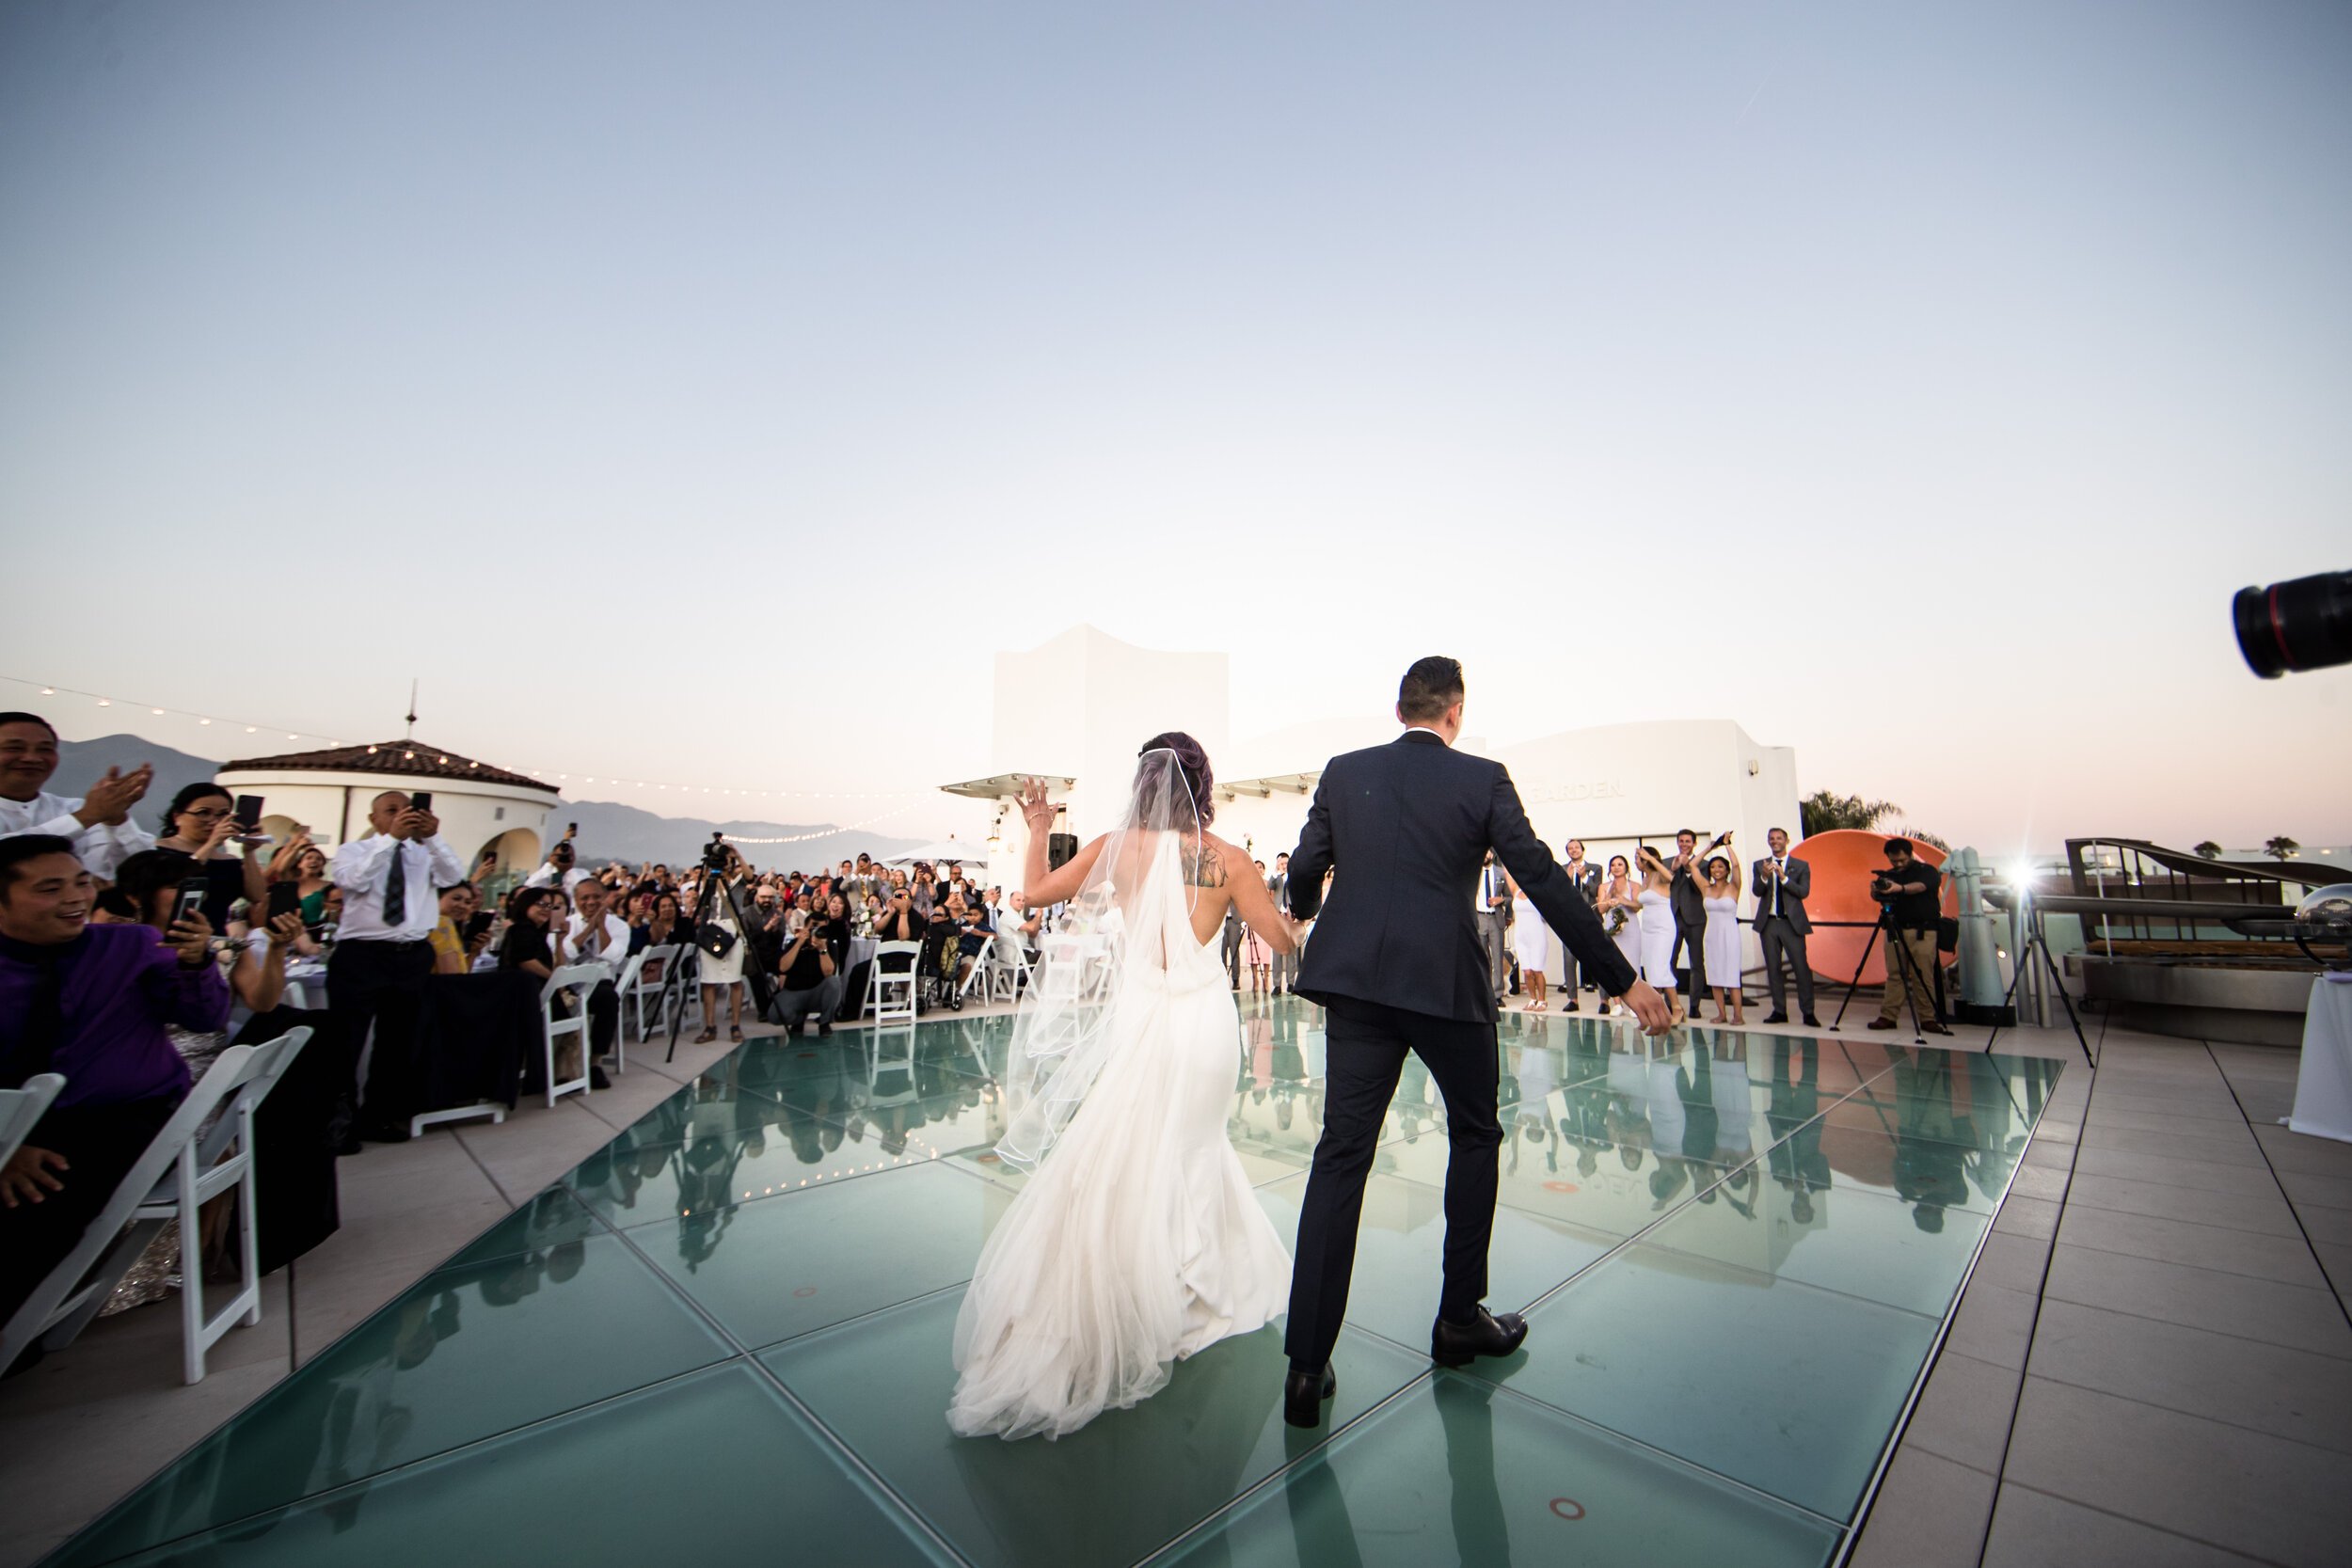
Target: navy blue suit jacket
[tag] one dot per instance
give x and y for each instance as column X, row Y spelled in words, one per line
column 1407, row 825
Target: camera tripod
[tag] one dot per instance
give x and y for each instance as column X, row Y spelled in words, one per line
column 755, row 975
column 1902, row 971
column 2036, row 942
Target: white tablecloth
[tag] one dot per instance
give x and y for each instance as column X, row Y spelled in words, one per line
column 2322, row 1085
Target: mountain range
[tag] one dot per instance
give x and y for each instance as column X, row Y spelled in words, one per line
column 608, row 830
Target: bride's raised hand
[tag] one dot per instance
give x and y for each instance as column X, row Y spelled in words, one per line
column 1036, row 810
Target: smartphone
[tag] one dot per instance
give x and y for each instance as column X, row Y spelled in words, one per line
column 575, row 832
column 284, row 899
column 250, row 810
column 191, row 900
column 479, row 924
column 421, row 800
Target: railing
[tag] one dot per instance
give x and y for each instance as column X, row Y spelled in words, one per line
column 2154, row 900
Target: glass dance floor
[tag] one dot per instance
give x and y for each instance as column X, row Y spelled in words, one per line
column 725, row 1336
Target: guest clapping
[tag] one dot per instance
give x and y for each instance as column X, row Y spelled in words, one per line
column 99, row 826
column 90, row 1003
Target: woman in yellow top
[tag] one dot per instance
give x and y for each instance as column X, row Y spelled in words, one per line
column 452, row 953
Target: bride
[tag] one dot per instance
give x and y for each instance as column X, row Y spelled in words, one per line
column 1136, row 1241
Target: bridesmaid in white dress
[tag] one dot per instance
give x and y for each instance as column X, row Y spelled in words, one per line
column 1532, row 941
column 1658, row 928
column 1619, row 896
column 1722, row 938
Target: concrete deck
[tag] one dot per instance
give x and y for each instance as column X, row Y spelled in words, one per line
column 2152, row 1363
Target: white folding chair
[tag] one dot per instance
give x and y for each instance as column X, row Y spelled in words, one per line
column 637, row 992
column 890, row 995
column 20, row 1109
column 978, row 978
column 579, row 979
column 1077, row 967
column 1007, row 966
column 173, row 1178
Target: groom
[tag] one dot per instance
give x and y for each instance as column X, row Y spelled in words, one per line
column 1396, row 962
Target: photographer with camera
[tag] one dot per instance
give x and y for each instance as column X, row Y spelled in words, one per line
column 1908, row 898
column 811, row 973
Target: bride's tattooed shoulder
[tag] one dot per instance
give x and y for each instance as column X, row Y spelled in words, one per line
column 1204, row 866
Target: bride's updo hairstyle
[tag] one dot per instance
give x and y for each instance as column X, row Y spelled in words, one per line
column 1194, row 763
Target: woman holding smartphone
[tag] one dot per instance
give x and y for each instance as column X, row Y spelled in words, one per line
column 199, row 822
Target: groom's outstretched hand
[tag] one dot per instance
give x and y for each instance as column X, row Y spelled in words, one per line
column 1650, row 1007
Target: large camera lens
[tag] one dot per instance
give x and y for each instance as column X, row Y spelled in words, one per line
column 2302, row 625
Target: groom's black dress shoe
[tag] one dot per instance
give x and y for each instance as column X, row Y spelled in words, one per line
column 1458, row 1344
column 1303, row 1394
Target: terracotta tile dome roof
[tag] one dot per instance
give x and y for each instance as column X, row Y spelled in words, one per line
column 411, row 759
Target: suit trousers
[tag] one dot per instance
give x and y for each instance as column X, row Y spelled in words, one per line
column 1366, row 1045
column 1692, row 940
column 1494, row 936
column 379, row 984
column 1782, row 940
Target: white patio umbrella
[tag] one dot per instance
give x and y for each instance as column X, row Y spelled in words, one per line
column 967, row 855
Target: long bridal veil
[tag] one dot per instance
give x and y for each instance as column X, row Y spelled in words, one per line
column 1127, row 926
column 1135, row 1241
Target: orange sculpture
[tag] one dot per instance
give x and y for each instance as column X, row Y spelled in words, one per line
column 1843, row 860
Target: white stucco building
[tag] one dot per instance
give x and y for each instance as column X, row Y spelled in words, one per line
column 329, row 792
column 1075, row 711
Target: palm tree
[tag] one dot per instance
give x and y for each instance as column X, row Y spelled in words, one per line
column 1824, row 810
column 2210, row 851
column 2281, row 848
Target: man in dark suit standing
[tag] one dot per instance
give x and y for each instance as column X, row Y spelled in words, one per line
column 1587, row 880
column 1286, row 965
column 1689, row 911
column 1398, row 961
column 1781, row 882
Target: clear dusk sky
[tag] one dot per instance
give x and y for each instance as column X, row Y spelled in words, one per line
column 704, row 392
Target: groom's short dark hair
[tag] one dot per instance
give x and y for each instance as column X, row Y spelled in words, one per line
column 1432, row 686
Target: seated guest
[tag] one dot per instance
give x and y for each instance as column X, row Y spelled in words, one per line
column 99, row 826
column 594, row 934
column 454, row 948
column 526, row 946
column 668, row 925
column 809, row 975
column 898, row 920
column 1029, row 926
column 92, row 1002
column 978, row 928
column 943, row 949
column 639, row 918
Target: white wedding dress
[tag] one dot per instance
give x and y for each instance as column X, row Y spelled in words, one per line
column 1136, row 1241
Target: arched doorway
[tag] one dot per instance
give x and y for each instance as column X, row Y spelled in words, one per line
column 518, row 851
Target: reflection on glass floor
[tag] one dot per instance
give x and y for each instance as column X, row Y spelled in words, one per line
column 729, row 1331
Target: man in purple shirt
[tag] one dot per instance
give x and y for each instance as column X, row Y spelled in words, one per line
column 92, row 1002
